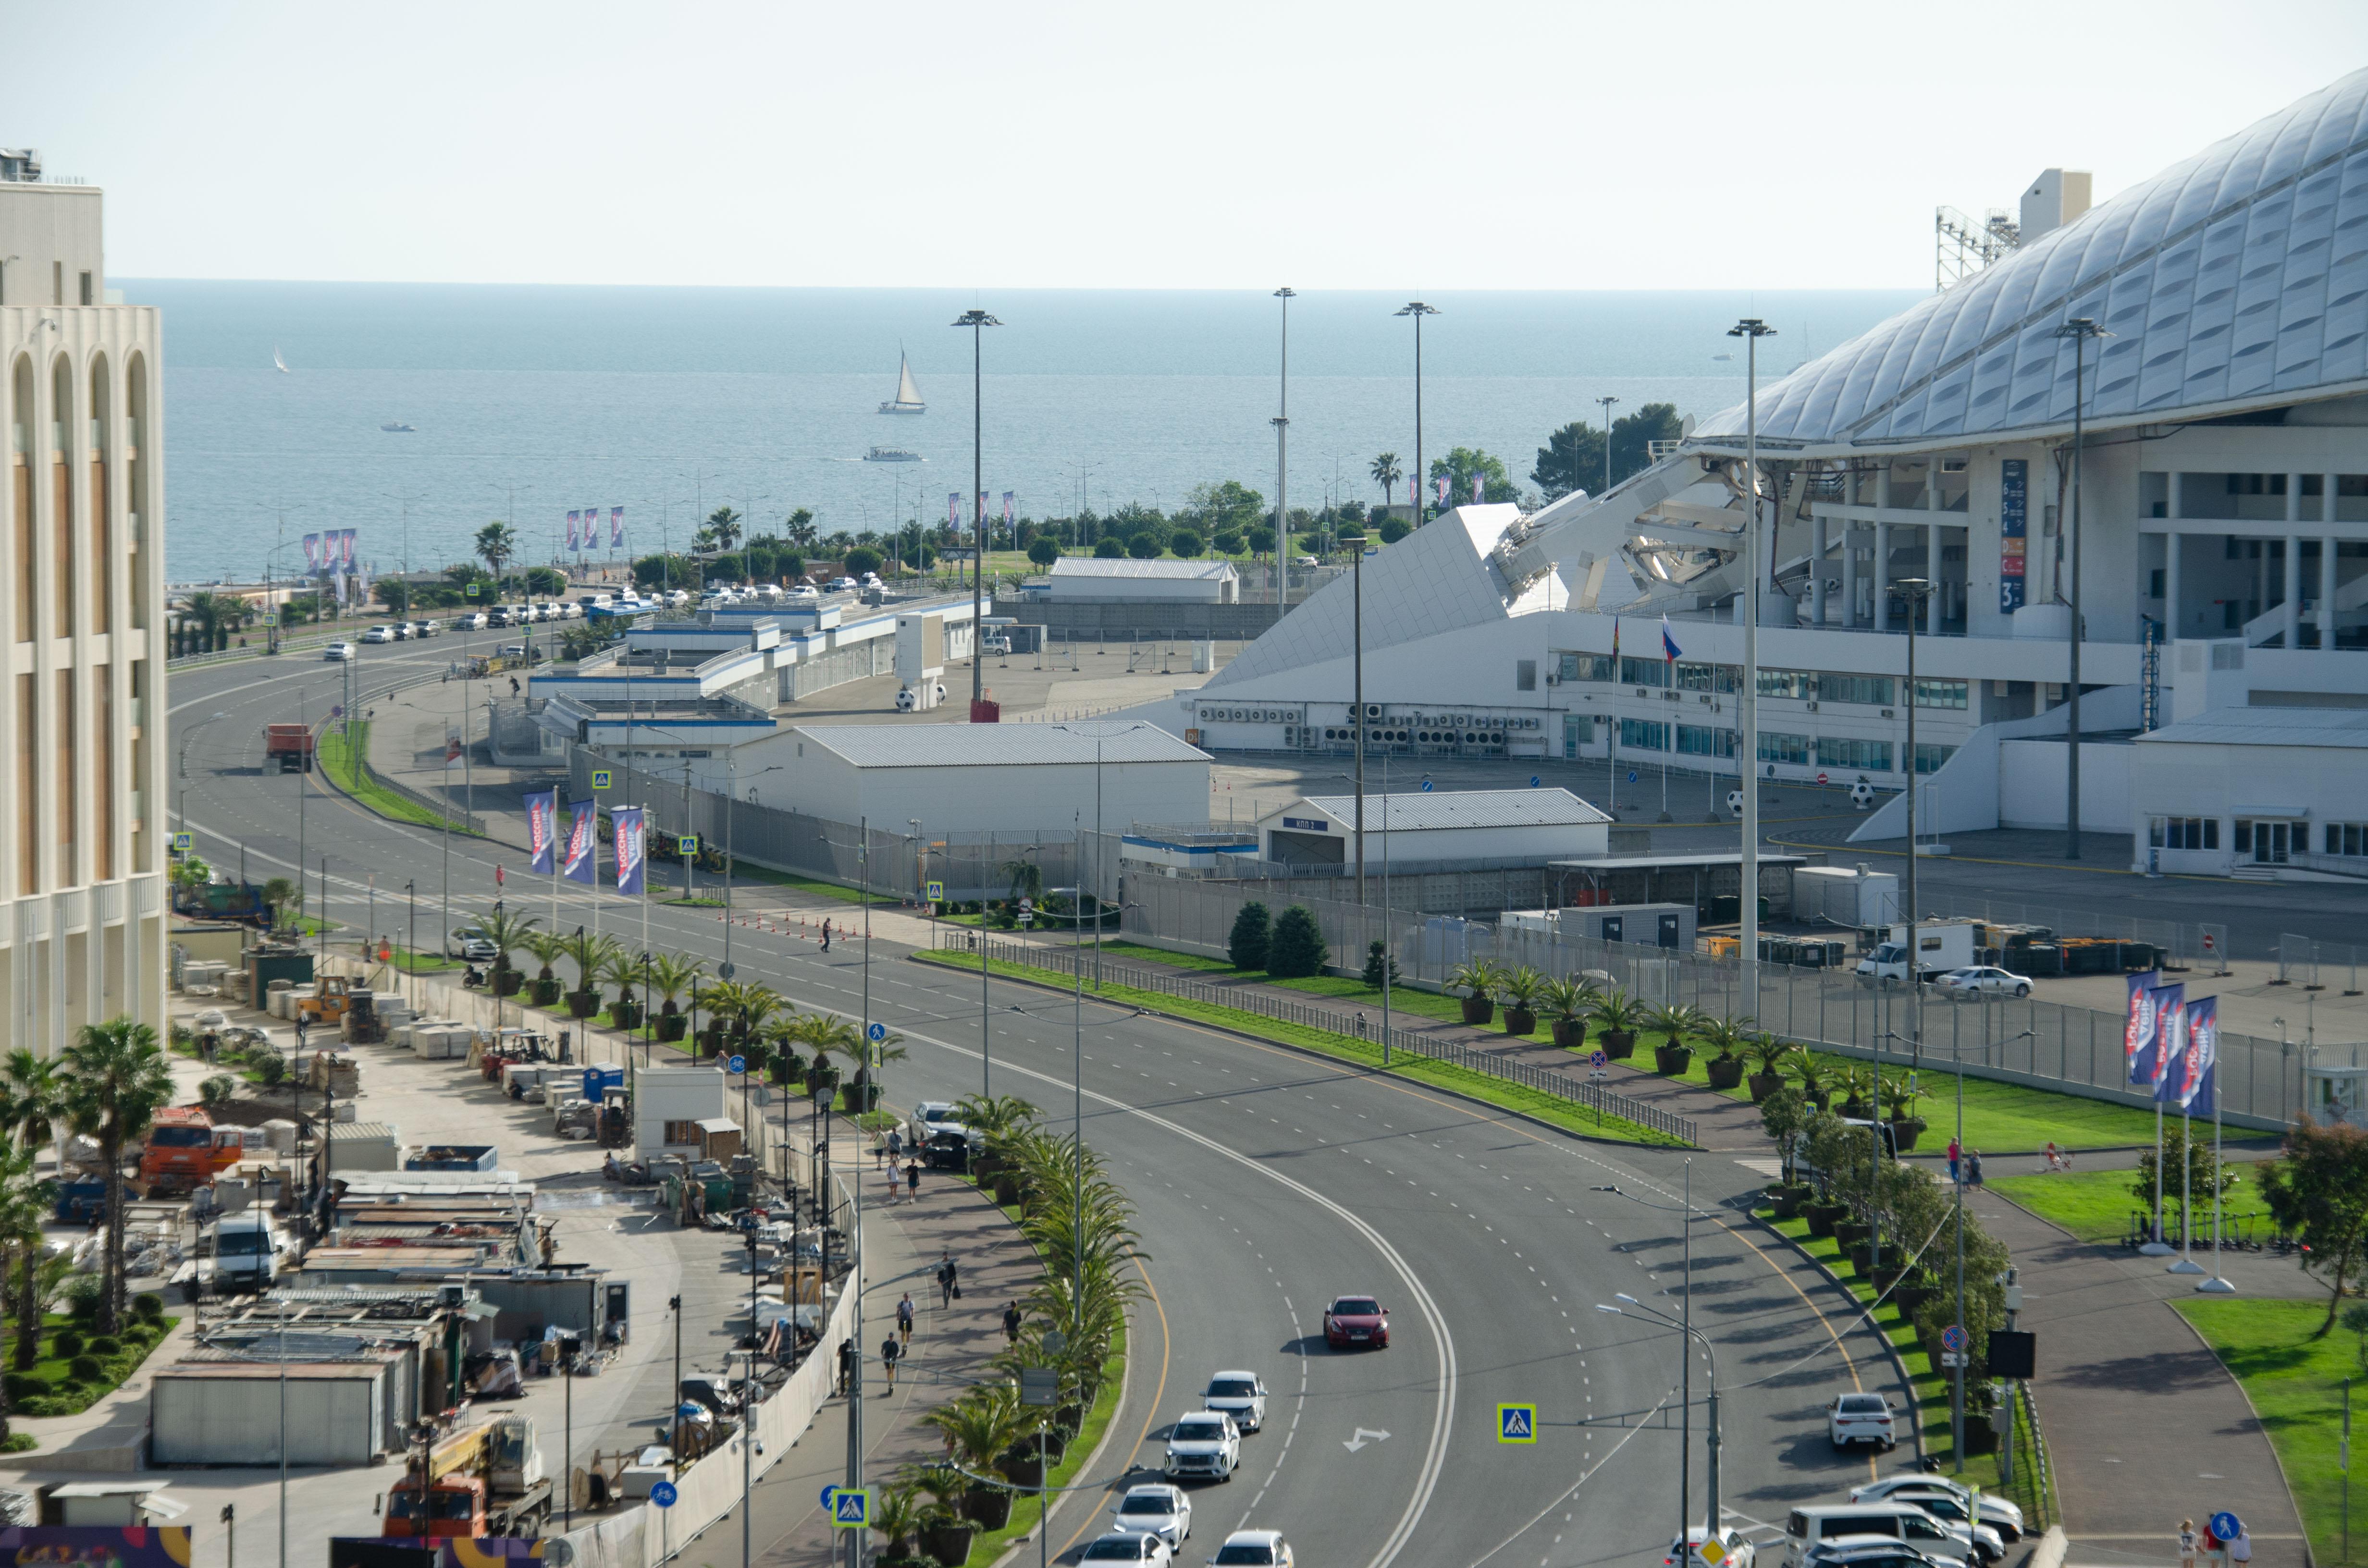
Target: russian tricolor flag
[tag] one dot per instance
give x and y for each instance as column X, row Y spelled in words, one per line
column 1669, row 650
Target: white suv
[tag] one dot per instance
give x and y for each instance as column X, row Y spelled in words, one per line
column 1254, row 1549
column 1238, row 1394
column 1204, row 1444
column 1860, row 1418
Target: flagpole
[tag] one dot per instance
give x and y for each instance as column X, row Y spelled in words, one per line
column 2216, row 1285
column 2157, row 1247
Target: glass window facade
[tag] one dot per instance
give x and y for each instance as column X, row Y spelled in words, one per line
column 2185, row 832
column 1644, row 734
column 1583, row 667
column 1709, row 677
column 1774, row 747
column 1705, row 740
column 1873, row 692
column 1799, row 684
column 1928, row 758
column 1941, row 693
column 2346, row 837
column 1870, row 756
column 1644, row 672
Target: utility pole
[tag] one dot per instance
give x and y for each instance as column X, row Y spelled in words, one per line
column 1417, row 310
column 2079, row 329
column 978, row 321
column 1751, row 329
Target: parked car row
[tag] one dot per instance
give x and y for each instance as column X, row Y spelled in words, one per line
column 1910, row 1520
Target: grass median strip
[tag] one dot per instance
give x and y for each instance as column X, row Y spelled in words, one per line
column 2098, row 1205
column 1569, row 1114
column 343, row 762
column 2297, row 1386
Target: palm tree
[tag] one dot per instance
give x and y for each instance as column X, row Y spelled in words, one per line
column 496, row 544
column 587, row 952
column 547, row 949
column 623, row 970
column 118, row 1080
column 33, row 1102
column 982, row 1424
column 724, row 523
column 283, row 897
column 1027, row 880
column 672, row 974
column 1387, row 473
column 1673, row 1019
column 215, row 615
column 508, row 933
column 25, row 1204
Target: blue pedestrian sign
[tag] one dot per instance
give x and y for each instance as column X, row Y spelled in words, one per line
column 185, row 841
column 851, row 1507
column 1517, row 1424
column 686, row 843
column 936, row 892
column 876, row 1033
column 601, row 778
column 738, row 1064
column 663, row 1495
column 2227, row 1526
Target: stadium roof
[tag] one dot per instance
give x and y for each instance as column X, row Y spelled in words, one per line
column 999, row 746
column 1412, row 812
column 2234, row 281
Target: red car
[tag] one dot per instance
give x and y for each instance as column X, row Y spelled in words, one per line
column 1356, row 1320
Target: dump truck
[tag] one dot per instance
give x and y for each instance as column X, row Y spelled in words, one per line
column 186, row 1151
column 489, row 1482
column 288, row 748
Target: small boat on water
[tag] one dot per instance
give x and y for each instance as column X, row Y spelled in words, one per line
column 277, row 363
column 908, row 395
column 402, row 428
column 892, row 455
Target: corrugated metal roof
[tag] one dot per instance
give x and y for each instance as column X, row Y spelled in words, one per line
column 2269, row 727
column 1004, row 745
column 1098, row 566
column 1464, row 808
column 342, row 1131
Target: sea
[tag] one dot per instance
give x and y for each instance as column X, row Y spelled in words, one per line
column 528, row 403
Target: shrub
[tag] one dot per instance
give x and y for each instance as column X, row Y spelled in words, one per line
column 1146, row 546
column 66, row 1342
column 1109, row 550
column 1297, row 947
column 1043, row 550
column 861, row 559
column 22, row 1386
column 1395, row 529
column 1185, row 544
column 1378, row 963
column 105, row 1344
column 1246, row 946
column 82, row 1293
column 85, row 1369
column 1227, row 544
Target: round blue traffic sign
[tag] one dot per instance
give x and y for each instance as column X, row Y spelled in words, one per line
column 1425, row 786
column 738, row 1064
column 1632, row 776
column 1952, row 1338
column 1597, row 1059
column 876, row 1033
column 1534, row 780
column 663, row 1495
column 828, row 1493
column 2227, row 1526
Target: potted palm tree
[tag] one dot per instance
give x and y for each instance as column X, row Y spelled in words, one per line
column 940, row 1529
column 981, row 1427
column 1672, row 1020
column 1566, row 1002
column 670, row 976
column 896, row 1519
column 1899, row 1098
column 1814, row 1075
column 1771, row 1054
column 508, row 933
column 1617, row 1018
column 589, row 954
column 1855, row 1104
column 1520, row 988
column 1727, row 1037
column 624, row 971
column 547, row 949
column 1477, row 979
column 783, row 1035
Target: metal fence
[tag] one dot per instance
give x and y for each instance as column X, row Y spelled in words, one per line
column 1308, row 1015
column 2042, row 1044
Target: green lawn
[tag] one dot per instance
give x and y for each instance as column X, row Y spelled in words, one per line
column 2297, row 1386
column 1932, row 1387
column 52, row 1388
column 2096, row 1205
column 1550, row 1108
column 409, row 963
column 343, row 765
column 1999, row 1117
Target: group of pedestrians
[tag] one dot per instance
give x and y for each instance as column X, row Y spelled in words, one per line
column 1965, row 1165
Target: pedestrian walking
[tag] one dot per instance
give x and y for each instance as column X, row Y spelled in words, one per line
column 1955, row 1153
column 846, row 1364
column 825, row 934
column 888, row 1351
column 2240, row 1550
column 2187, row 1543
column 1974, row 1169
column 905, row 1318
column 895, row 1146
column 303, row 1022
column 1011, row 1323
column 913, row 1180
column 878, row 1151
column 946, row 1281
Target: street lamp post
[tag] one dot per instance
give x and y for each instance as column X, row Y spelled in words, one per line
column 1606, row 402
column 2079, row 329
column 1417, row 310
column 1685, row 1323
column 1751, row 329
column 978, row 321
column 1710, row 1441
column 1916, row 591
column 1282, row 422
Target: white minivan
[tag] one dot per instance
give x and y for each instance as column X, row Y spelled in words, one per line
column 247, row 1248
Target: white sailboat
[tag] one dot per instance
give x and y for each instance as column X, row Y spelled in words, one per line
column 277, row 363
column 908, row 395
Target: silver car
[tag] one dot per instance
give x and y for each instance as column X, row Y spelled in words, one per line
column 1164, row 1511
column 1240, row 1395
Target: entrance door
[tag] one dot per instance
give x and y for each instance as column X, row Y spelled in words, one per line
column 2273, row 840
column 1668, row 932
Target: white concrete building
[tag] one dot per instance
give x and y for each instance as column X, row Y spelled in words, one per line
column 669, row 1104
column 2281, row 789
column 1175, row 582
column 2225, row 497
column 1519, row 826
column 965, row 778
column 81, row 846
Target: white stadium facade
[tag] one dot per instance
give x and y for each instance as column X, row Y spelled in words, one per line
column 2223, row 547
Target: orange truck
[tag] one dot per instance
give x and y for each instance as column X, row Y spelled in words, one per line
column 186, row 1151
column 489, row 1482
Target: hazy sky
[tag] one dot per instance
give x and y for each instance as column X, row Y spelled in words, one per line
column 1356, row 144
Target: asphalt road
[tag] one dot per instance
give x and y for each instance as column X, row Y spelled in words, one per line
column 1267, row 1182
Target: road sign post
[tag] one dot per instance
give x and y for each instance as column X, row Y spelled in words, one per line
column 1517, row 1424
column 850, row 1508
column 601, row 778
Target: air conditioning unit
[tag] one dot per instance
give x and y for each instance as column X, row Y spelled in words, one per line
column 1809, row 706
column 1887, row 713
column 1705, row 700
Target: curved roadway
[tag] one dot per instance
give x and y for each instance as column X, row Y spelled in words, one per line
column 1267, row 1182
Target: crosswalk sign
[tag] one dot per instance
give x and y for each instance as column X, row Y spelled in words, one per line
column 185, row 841
column 600, row 777
column 850, row 1508
column 686, row 843
column 936, row 892
column 1517, row 1424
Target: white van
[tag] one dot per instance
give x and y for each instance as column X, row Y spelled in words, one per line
column 1808, row 1527
column 247, row 1249
column 596, row 601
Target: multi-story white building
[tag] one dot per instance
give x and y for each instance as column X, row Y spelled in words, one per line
column 2224, row 527
column 82, row 855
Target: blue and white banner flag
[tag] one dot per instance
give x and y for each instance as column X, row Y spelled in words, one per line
column 583, row 838
column 2197, row 1076
column 953, row 507
column 2162, row 1042
column 542, row 829
column 575, row 521
column 616, row 528
column 633, row 847
column 2137, row 1027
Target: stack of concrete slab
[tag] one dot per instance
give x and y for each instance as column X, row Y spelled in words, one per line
column 442, row 1042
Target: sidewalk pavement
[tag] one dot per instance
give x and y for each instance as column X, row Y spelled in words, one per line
column 2135, row 1404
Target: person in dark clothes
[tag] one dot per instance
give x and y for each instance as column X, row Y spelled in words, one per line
column 846, row 1364
column 1011, row 1323
column 889, row 1350
column 913, row 1181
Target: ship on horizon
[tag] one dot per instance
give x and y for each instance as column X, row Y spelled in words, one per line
column 891, row 454
column 907, row 399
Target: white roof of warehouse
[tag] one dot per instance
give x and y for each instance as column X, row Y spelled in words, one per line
column 1098, row 566
column 964, row 745
column 2269, row 727
column 1465, row 808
